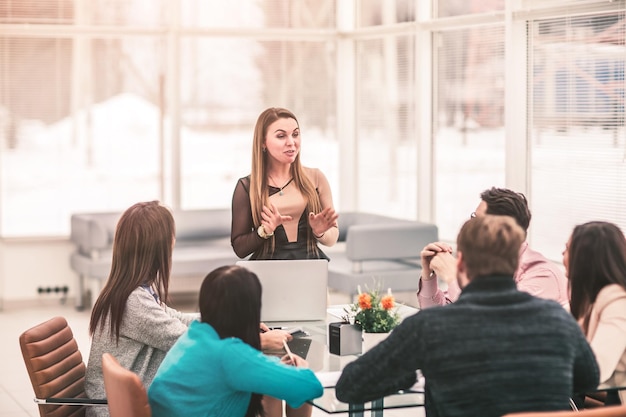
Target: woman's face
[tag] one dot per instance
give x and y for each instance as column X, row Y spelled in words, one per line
column 566, row 256
column 282, row 140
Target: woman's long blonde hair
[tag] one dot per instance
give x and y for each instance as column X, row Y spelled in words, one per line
column 259, row 193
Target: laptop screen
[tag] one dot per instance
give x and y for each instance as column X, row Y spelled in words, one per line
column 293, row 290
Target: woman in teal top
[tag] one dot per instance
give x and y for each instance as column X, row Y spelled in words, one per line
column 217, row 368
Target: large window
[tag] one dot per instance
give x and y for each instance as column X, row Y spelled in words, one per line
column 123, row 101
column 221, row 107
column 81, row 128
column 386, row 142
column 411, row 107
column 226, row 82
column 447, row 8
column 576, row 71
column 469, row 139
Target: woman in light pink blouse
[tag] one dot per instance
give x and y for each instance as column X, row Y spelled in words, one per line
column 595, row 262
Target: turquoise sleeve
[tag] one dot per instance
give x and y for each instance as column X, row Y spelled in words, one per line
column 248, row 369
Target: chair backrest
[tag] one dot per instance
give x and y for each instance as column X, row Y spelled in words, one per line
column 609, row 411
column 55, row 366
column 126, row 394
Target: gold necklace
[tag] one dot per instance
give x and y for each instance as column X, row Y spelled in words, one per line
column 280, row 189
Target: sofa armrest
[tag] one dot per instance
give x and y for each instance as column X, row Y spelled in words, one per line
column 93, row 232
column 397, row 240
column 353, row 218
column 202, row 224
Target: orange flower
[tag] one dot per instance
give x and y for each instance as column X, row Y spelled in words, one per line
column 365, row 301
column 374, row 312
column 387, row 302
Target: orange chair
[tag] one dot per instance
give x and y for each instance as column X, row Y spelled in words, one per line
column 56, row 369
column 126, row 393
column 610, row 411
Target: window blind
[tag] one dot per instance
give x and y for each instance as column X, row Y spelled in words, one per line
column 95, row 102
column 227, row 83
column 384, row 12
column 448, row 8
column 576, row 121
column 469, row 140
column 385, row 125
column 37, row 11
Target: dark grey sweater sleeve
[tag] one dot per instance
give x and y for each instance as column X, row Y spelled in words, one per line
column 586, row 371
column 387, row 368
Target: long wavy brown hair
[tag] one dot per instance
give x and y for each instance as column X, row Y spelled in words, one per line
column 597, row 258
column 259, row 193
column 142, row 255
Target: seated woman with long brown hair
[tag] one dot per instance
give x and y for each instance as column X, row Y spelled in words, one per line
column 595, row 263
column 217, row 367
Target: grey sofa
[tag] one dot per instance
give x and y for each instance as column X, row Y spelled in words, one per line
column 377, row 250
column 202, row 244
column 372, row 249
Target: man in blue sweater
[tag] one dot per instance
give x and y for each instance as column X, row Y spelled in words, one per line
column 496, row 350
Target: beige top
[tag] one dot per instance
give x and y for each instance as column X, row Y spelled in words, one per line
column 292, row 203
column 607, row 332
column 289, row 201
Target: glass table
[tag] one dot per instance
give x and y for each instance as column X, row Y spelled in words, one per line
column 617, row 382
column 612, row 387
column 322, row 362
column 329, row 403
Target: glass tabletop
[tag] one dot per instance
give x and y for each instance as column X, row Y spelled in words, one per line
column 329, row 403
column 616, row 382
column 321, row 361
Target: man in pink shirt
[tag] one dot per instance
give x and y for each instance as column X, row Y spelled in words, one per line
column 536, row 274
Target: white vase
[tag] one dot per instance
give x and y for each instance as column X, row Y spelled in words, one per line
column 372, row 339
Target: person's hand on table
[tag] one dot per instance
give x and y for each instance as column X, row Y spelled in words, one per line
column 297, row 361
column 273, row 339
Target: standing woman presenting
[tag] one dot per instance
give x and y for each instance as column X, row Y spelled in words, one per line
column 282, row 209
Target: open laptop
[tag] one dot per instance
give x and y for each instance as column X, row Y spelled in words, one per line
column 293, row 290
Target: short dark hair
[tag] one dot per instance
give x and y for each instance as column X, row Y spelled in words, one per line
column 597, row 258
column 490, row 245
column 505, row 202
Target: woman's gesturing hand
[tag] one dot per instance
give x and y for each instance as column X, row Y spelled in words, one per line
column 271, row 218
column 322, row 221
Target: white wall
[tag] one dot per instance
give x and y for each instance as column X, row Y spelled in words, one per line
column 26, row 265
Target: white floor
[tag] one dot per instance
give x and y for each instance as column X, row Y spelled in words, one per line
column 16, row 393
